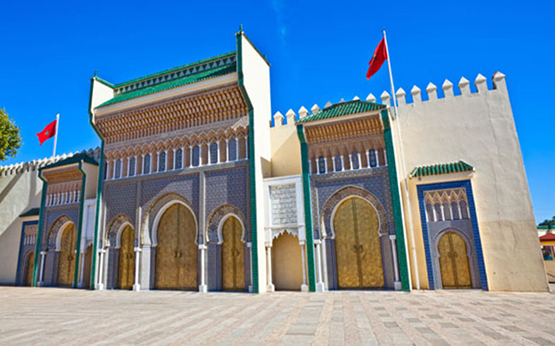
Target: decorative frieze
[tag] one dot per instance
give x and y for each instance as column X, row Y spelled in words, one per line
column 283, row 202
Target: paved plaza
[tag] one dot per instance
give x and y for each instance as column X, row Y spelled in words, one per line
column 51, row 316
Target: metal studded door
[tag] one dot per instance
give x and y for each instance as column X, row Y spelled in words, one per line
column 453, row 261
column 29, row 271
column 233, row 256
column 176, row 253
column 126, row 259
column 66, row 260
column 357, row 245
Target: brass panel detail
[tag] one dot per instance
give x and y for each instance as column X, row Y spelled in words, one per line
column 126, row 259
column 233, row 256
column 357, row 245
column 87, row 269
column 176, row 253
column 66, row 260
column 29, row 272
column 453, row 261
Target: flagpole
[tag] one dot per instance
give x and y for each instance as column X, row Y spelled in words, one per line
column 403, row 169
column 56, row 134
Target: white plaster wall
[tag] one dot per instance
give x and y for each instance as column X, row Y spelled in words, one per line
column 100, row 94
column 256, row 73
column 19, row 192
column 479, row 128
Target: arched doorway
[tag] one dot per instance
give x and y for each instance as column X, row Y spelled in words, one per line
column 453, row 261
column 126, row 259
column 357, row 245
column 176, row 252
column 287, row 267
column 66, row 259
column 29, row 265
column 233, row 256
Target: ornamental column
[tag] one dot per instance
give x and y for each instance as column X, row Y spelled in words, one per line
column 41, row 271
column 304, row 286
column 270, row 286
column 136, row 285
column 202, row 288
column 100, row 285
column 82, row 270
column 249, row 246
column 393, row 239
column 320, row 287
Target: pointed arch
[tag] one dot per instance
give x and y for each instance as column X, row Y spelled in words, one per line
column 216, row 220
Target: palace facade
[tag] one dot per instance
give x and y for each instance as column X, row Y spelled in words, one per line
column 196, row 186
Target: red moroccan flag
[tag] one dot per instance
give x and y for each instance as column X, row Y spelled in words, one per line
column 380, row 55
column 49, row 131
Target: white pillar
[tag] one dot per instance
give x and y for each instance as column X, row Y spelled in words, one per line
column 351, row 161
column 393, row 239
column 304, row 286
column 136, row 285
column 100, row 285
column 41, row 269
column 202, row 288
column 249, row 246
column 385, row 157
column 81, row 271
column 320, row 284
column 377, row 157
column 227, row 150
column 270, row 286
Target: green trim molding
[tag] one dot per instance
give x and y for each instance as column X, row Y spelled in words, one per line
column 39, row 233
column 307, row 210
column 98, row 191
column 80, row 227
column 252, row 171
column 396, row 203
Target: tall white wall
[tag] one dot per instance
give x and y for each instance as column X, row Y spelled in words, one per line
column 478, row 128
column 256, row 74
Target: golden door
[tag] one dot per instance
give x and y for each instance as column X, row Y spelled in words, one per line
column 357, row 245
column 233, row 260
column 453, row 261
column 66, row 260
column 126, row 259
column 87, row 269
column 176, row 253
column 29, row 272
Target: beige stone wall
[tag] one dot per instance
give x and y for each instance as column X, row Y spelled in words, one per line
column 20, row 190
column 286, row 148
column 478, row 128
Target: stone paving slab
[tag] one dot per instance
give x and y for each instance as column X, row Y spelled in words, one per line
column 53, row 316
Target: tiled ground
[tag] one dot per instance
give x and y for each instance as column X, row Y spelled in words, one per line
column 50, row 316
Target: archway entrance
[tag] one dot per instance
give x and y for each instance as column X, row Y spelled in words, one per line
column 287, row 267
column 357, row 245
column 66, row 260
column 176, row 253
column 233, row 256
column 453, row 261
column 29, row 265
column 126, row 259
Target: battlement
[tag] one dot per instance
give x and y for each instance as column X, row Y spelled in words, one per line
column 22, row 167
column 480, row 82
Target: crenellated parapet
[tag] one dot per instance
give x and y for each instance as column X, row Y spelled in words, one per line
column 34, row 165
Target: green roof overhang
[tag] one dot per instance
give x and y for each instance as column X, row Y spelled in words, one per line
column 441, row 168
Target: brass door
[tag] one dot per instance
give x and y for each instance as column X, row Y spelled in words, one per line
column 453, row 261
column 233, row 256
column 66, row 260
column 29, row 271
column 176, row 253
column 126, row 259
column 357, row 245
column 87, row 269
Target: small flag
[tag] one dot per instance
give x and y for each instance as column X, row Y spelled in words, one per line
column 48, row 132
column 380, row 55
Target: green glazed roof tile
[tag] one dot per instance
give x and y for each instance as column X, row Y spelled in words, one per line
column 192, row 78
column 441, row 168
column 341, row 109
column 31, row 212
column 71, row 160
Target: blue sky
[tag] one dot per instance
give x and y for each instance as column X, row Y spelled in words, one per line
column 319, row 51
